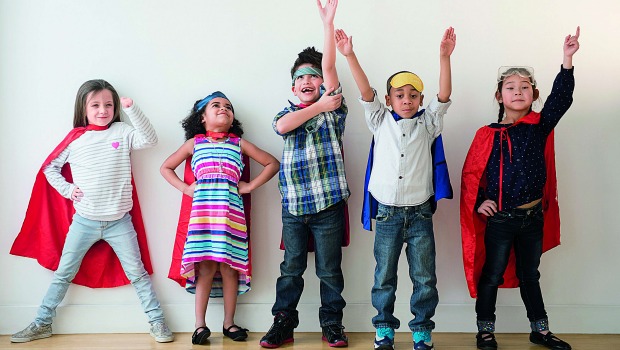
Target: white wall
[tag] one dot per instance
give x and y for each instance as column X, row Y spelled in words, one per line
column 168, row 54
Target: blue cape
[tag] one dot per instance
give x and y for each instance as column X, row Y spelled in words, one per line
column 441, row 179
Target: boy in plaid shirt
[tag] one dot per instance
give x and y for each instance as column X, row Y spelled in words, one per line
column 314, row 190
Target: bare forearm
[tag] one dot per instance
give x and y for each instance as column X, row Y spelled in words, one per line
column 445, row 79
column 173, row 178
column 361, row 80
column 568, row 62
column 328, row 64
column 268, row 172
column 293, row 120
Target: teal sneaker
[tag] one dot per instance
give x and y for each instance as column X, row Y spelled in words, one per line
column 384, row 339
column 422, row 341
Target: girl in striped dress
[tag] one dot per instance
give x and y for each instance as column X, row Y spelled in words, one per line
column 215, row 260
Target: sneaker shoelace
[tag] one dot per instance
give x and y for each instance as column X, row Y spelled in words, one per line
column 159, row 328
column 335, row 330
column 278, row 325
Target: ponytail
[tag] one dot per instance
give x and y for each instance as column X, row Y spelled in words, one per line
column 498, row 92
column 500, row 115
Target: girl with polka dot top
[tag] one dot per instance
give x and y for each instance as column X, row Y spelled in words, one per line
column 509, row 208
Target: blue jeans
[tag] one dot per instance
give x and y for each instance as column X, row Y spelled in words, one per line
column 523, row 230
column 396, row 226
column 122, row 237
column 327, row 229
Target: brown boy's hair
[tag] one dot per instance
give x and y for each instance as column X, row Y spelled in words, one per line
column 308, row 55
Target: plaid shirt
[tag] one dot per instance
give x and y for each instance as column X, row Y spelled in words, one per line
column 312, row 175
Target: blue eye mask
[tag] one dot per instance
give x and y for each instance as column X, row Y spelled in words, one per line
column 200, row 105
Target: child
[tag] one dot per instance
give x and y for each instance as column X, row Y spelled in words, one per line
column 100, row 186
column 314, row 190
column 508, row 191
column 215, row 258
column 402, row 183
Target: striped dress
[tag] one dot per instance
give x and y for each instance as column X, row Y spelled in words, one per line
column 217, row 228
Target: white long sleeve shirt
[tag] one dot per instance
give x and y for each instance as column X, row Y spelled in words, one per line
column 402, row 172
column 101, row 167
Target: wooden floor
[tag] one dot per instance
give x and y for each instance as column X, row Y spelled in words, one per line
column 303, row 341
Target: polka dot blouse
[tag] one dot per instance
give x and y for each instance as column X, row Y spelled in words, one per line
column 524, row 174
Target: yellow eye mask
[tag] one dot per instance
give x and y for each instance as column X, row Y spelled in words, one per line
column 405, row 78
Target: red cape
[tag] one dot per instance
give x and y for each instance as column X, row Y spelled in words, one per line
column 47, row 222
column 473, row 224
column 186, row 208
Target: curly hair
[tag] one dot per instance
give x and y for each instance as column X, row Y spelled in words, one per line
column 308, row 55
column 192, row 124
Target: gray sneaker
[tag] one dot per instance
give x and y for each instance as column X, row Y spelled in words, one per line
column 161, row 332
column 32, row 332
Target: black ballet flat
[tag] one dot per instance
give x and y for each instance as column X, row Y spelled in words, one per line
column 238, row 335
column 201, row 335
column 549, row 340
column 486, row 341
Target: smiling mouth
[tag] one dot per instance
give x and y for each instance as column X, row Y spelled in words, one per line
column 305, row 90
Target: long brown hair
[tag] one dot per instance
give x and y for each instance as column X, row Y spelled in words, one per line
column 95, row 85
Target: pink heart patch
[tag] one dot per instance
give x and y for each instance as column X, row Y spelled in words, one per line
column 115, row 145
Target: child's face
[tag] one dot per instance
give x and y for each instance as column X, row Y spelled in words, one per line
column 307, row 87
column 218, row 115
column 100, row 107
column 517, row 94
column 405, row 101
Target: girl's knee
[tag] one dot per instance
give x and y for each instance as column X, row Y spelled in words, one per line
column 228, row 271
column 205, row 268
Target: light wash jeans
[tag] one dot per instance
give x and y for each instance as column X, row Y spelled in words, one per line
column 122, row 237
column 397, row 226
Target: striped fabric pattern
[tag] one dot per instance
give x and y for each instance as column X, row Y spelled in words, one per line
column 217, row 228
column 101, row 167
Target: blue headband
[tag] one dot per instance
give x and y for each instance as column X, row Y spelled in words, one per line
column 306, row 70
column 200, row 105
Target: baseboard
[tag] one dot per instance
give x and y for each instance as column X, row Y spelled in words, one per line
column 257, row 317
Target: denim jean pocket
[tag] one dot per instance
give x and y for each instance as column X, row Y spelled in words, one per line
column 384, row 212
column 498, row 218
column 425, row 212
column 538, row 214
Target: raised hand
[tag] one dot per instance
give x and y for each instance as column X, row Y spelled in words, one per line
column 344, row 43
column 327, row 12
column 571, row 44
column 126, row 102
column 448, row 42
